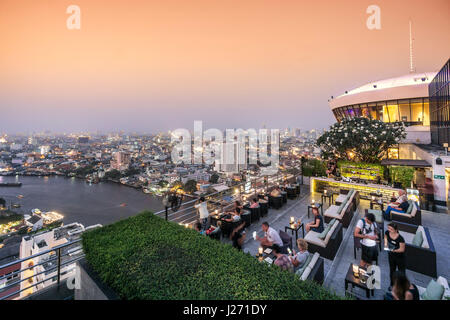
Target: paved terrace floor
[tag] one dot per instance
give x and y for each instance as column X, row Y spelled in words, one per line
column 335, row 270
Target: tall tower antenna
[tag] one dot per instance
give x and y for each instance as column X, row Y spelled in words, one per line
column 412, row 69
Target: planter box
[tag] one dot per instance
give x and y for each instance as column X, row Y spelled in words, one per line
column 91, row 287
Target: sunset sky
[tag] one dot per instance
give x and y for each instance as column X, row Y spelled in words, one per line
column 146, row 66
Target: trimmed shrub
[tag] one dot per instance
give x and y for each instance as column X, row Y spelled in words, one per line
column 146, row 257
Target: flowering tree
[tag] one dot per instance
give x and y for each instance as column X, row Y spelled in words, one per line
column 360, row 139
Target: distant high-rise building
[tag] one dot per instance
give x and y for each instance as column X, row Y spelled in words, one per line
column 45, row 150
column 83, row 140
column 120, row 161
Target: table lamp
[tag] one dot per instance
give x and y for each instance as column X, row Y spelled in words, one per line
column 356, row 271
column 260, row 251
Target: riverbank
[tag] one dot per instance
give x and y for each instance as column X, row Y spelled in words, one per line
column 78, row 201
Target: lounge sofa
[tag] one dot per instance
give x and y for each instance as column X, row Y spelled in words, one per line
column 413, row 215
column 439, row 290
column 343, row 212
column 420, row 255
column 313, row 269
column 329, row 245
column 342, row 197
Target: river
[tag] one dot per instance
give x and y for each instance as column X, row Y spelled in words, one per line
column 77, row 200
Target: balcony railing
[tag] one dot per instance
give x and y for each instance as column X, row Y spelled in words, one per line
column 60, row 252
column 185, row 212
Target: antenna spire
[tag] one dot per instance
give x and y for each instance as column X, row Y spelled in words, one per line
column 412, row 69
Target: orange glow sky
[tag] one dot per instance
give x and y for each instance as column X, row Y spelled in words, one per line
column 158, row 65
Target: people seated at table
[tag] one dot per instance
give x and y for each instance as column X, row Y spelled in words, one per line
column 401, row 198
column 402, row 289
column 255, row 203
column 299, row 258
column 275, row 192
column 202, row 207
column 198, row 227
column 396, row 245
column 238, row 236
column 367, row 230
column 282, row 260
column 233, row 216
column 270, row 238
column 237, row 204
column 400, row 205
column 317, row 224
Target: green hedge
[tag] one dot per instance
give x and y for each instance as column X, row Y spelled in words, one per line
column 145, row 257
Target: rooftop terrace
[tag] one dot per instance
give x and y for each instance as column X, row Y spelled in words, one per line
column 335, row 270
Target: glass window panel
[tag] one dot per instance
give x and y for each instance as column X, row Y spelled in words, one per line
column 416, row 110
column 426, row 112
column 373, row 112
column 391, row 109
column 380, row 112
column 403, row 107
column 357, row 111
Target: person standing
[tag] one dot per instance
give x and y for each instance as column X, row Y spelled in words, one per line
column 429, row 194
column 202, row 207
column 366, row 230
column 395, row 243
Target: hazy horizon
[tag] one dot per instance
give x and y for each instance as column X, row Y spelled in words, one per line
column 159, row 65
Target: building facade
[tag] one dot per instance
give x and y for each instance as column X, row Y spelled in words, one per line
column 397, row 99
column 420, row 101
column 439, row 92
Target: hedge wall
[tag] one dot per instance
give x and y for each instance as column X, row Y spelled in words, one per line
column 145, row 257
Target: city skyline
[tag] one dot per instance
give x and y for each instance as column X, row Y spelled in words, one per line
column 158, row 66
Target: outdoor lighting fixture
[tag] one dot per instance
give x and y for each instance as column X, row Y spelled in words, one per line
column 260, row 251
column 355, row 270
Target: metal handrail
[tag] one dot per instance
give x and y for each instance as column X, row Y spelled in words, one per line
column 58, row 266
column 274, row 178
column 40, row 253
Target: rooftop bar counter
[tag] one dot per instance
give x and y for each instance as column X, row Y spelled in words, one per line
column 366, row 191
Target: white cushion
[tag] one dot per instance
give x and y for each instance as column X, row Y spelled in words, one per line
column 306, row 273
column 424, row 236
column 341, row 198
column 314, row 259
column 313, row 237
column 341, row 215
column 413, row 211
column 332, row 211
column 330, row 232
column 409, row 237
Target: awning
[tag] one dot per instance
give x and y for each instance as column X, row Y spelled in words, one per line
column 404, row 162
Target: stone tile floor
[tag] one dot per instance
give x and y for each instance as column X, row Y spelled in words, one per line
column 335, row 271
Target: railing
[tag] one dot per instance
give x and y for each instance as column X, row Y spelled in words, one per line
column 48, row 272
column 247, row 189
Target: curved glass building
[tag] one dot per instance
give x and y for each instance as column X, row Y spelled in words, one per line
column 397, row 99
